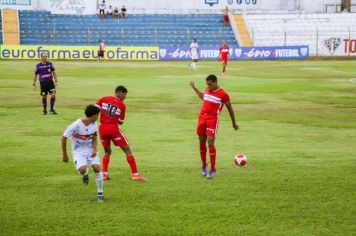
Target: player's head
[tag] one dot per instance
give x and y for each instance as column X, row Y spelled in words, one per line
column 212, row 82
column 92, row 112
column 224, row 43
column 121, row 92
column 194, row 40
column 44, row 56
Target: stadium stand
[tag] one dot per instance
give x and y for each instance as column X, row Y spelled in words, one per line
column 0, row 28
column 298, row 29
column 41, row 27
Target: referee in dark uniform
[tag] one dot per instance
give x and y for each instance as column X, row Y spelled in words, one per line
column 47, row 74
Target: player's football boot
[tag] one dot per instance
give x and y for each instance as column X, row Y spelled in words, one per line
column 222, row 74
column 53, row 112
column 138, row 177
column 100, row 197
column 44, row 112
column 211, row 174
column 86, row 179
column 106, row 176
column 204, row 170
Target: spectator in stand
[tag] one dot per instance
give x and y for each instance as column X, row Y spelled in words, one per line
column 226, row 16
column 116, row 13
column 109, row 12
column 123, row 12
column 102, row 8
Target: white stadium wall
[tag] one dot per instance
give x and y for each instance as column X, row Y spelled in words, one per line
column 170, row 6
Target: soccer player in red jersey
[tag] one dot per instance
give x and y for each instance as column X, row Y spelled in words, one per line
column 112, row 114
column 224, row 56
column 214, row 98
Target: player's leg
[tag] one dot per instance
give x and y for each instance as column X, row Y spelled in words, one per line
column 212, row 123
column 80, row 163
column 106, row 160
column 212, row 155
column 44, row 104
column 43, row 94
column 203, row 150
column 132, row 162
column 119, row 139
column 105, row 141
column 52, row 101
column 201, row 132
column 224, row 68
column 95, row 164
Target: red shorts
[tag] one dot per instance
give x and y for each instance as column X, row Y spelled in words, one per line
column 226, row 18
column 224, row 60
column 111, row 132
column 208, row 125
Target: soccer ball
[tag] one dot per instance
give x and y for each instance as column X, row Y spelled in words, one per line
column 240, row 159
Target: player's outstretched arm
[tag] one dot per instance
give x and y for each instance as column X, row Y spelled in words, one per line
column 200, row 94
column 232, row 115
column 64, row 149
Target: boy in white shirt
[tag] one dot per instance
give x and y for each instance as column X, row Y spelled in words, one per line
column 194, row 53
column 85, row 147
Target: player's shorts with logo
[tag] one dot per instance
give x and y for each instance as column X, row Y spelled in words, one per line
column 83, row 158
column 47, row 87
column 207, row 125
column 111, row 133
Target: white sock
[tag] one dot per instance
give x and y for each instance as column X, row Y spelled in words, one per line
column 195, row 65
column 99, row 181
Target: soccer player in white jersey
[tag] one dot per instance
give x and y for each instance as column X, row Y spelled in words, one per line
column 194, row 53
column 85, row 147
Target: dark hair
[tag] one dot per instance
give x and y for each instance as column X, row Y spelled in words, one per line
column 91, row 110
column 120, row 88
column 211, row 78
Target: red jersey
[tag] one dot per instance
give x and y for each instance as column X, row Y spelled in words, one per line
column 224, row 52
column 112, row 110
column 214, row 101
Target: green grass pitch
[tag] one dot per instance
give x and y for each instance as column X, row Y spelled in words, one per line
column 298, row 129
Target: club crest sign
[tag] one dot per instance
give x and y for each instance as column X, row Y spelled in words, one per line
column 332, row 44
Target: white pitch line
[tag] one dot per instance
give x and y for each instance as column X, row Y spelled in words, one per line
column 353, row 80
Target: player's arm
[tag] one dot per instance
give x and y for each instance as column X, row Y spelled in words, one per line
column 34, row 80
column 64, row 149
column 232, row 115
column 95, row 146
column 197, row 91
column 55, row 78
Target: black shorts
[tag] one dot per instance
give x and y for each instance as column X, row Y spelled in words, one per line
column 101, row 12
column 101, row 53
column 47, row 88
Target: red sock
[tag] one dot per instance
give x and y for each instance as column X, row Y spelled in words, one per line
column 106, row 160
column 203, row 152
column 212, row 153
column 132, row 163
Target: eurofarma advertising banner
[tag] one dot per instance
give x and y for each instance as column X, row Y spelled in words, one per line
column 23, row 52
column 237, row 53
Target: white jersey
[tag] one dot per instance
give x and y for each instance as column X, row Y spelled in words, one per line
column 194, row 50
column 82, row 135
